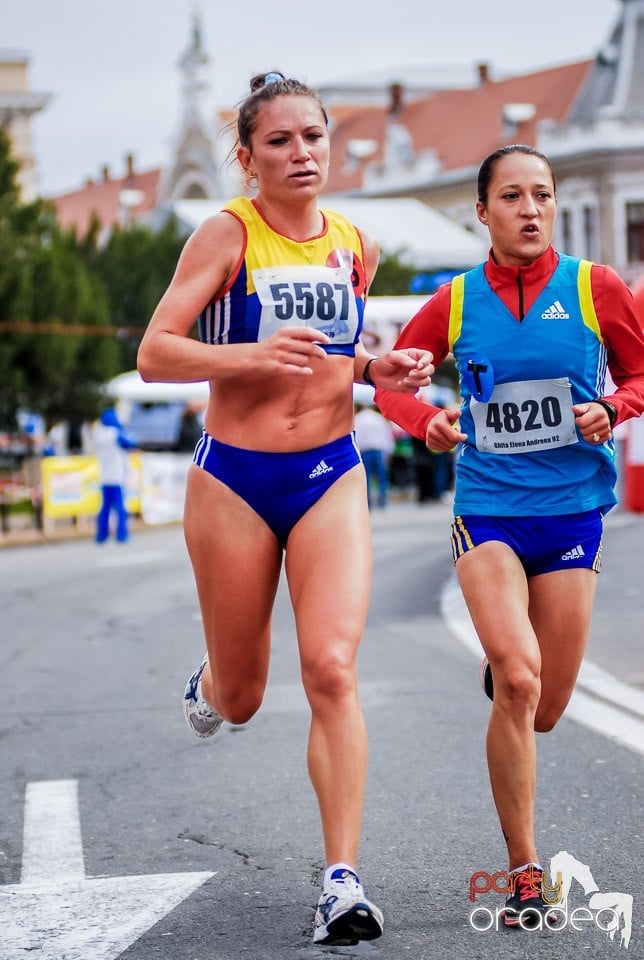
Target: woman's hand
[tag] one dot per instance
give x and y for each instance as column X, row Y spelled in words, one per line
column 443, row 433
column 290, row 350
column 593, row 422
column 403, row 371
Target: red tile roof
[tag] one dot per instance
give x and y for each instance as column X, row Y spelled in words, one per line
column 103, row 199
column 462, row 126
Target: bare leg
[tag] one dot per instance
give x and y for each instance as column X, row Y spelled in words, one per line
column 534, row 633
column 328, row 564
column 236, row 561
column 496, row 592
column 560, row 611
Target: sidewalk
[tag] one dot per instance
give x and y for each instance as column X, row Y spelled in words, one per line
column 25, row 533
column 57, row 532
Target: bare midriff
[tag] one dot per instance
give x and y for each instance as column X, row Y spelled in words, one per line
column 286, row 412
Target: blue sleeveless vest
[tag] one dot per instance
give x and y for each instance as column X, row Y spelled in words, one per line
column 523, row 455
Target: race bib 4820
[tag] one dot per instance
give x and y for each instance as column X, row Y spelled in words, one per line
column 525, row 416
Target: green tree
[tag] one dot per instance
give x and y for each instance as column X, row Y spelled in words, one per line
column 393, row 277
column 135, row 266
column 51, row 360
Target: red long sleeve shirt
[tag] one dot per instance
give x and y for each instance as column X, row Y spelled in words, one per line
column 518, row 288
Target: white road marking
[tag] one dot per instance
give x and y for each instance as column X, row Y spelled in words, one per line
column 603, row 684
column 55, row 911
column 600, row 702
column 606, row 719
column 51, row 846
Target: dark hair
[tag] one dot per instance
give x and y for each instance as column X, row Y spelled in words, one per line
column 263, row 88
column 486, row 169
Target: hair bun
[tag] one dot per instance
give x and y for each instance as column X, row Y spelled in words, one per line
column 265, row 79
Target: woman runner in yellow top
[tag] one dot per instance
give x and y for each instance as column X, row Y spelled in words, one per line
column 279, row 287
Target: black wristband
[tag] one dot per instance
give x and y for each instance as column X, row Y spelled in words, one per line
column 610, row 410
column 365, row 372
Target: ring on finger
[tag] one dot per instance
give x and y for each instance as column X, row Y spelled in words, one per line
column 596, row 437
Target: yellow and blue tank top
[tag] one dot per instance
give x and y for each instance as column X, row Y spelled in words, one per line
column 287, row 283
column 518, row 381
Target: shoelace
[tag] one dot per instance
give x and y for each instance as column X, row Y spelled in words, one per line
column 528, row 883
column 346, row 889
column 204, row 709
column 202, row 706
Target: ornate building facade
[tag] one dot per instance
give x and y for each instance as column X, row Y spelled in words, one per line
column 18, row 104
column 588, row 117
column 425, row 139
column 196, row 169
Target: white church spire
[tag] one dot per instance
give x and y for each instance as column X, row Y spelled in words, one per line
column 192, row 172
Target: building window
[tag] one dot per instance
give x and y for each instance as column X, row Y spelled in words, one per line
column 635, row 232
column 590, row 233
column 566, row 231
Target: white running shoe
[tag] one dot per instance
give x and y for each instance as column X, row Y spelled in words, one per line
column 200, row 717
column 344, row 915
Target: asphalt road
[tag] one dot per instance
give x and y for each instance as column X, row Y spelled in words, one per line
column 122, row 836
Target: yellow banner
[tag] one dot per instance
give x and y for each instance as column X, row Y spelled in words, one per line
column 70, row 486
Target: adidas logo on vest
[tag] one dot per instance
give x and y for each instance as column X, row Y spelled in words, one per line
column 555, row 312
column 575, row 553
column 321, row 468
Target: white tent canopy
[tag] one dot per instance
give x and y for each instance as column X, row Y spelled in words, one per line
column 421, row 236
column 130, row 387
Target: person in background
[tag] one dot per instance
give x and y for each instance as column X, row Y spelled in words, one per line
column 190, row 430
column 401, row 471
column 111, row 445
column 375, row 441
column 532, row 332
column 279, row 286
column 31, row 466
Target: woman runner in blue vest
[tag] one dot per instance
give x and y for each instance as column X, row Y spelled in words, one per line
column 532, row 332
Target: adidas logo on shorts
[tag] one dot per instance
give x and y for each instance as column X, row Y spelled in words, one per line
column 555, row 312
column 321, row 468
column 575, row 553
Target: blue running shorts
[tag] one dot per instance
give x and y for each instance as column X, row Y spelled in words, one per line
column 542, row 544
column 280, row 487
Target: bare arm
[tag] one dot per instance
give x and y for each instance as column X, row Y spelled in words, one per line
column 402, row 370
column 205, row 267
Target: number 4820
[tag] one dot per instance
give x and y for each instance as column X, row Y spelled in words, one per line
column 509, row 417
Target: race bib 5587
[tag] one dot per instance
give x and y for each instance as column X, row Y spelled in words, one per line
column 307, row 296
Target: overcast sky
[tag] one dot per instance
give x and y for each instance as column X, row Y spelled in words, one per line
column 111, row 65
